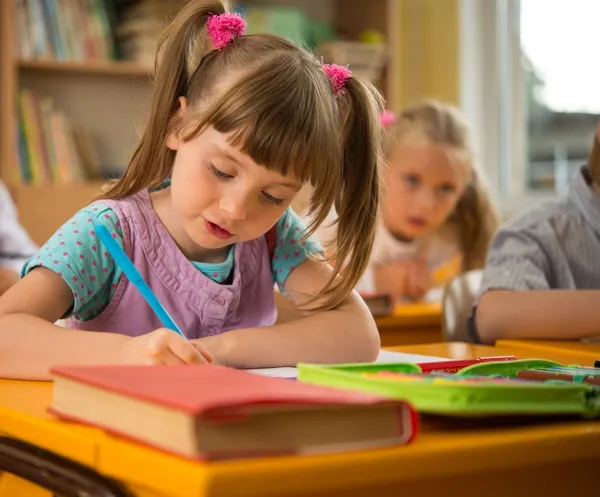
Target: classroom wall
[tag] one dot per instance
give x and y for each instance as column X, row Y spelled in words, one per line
column 429, row 62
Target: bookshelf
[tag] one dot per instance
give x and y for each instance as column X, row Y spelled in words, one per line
column 109, row 100
column 101, row 68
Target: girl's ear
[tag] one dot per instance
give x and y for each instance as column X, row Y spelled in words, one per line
column 173, row 140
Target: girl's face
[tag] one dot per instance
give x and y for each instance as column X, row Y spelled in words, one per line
column 220, row 196
column 422, row 185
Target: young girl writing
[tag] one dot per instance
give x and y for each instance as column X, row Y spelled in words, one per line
column 542, row 278
column 436, row 218
column 233, row 134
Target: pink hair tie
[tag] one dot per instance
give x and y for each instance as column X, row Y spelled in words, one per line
column 387, row 118
column 224, row 28
column 338, row 75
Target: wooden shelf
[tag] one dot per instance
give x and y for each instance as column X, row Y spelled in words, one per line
column 107, row 68
column 44, row 208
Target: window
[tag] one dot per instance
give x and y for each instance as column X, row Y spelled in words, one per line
column 531, row 85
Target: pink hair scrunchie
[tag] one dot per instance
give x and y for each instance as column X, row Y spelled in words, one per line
column 338, row 75
column 224, row 28
column 387, row 118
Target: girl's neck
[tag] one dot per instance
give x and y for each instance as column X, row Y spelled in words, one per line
column 400, row 237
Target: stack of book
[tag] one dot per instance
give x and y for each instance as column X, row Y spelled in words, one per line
column 50, row 149
column 140, row 25
column 74, row 30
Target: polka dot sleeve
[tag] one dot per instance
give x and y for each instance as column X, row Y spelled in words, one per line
column 75, row 253
column 290, row 252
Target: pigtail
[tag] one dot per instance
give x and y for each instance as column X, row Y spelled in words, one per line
column 357, row 202
column 180, row 49
column 476, row 221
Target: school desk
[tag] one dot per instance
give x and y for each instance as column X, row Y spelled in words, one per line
column 589, row 350
column 462, row 350
column 410, row 324
column 460, row 458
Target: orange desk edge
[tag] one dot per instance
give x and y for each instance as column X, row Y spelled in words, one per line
column 413, row 316
column 589, row 350
column 411, row 324
column 439, row 457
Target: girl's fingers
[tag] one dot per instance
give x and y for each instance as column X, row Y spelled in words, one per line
column 186, row 352
column 166, row 347
column 413, row 279
column 203, row 351
column 159, row 353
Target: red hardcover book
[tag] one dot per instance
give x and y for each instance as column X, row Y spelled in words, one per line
column 214, row 412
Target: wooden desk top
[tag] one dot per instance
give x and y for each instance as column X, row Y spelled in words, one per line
column 444, row 449
column 589, row 350
column 412, row 316
column 461, row 350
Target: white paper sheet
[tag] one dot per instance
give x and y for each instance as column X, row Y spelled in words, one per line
column 384, row 356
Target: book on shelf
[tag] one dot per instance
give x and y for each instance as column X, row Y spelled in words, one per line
column 140, row 25
column 50, row 148
column 64, row 30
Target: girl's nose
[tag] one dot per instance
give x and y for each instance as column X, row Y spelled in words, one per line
column 426, row 200
column 235, row 206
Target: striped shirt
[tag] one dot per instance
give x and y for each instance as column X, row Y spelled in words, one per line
column 555, row 246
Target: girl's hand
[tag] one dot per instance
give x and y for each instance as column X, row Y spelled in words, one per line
column 419, row 278
column 163, row 346
column 214, row 347
column 406, row 278
column 393, row 278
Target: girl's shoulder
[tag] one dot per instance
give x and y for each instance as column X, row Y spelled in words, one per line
column 75, row 253
column 291, row 248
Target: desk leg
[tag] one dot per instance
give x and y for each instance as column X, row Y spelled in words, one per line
column 53, row 472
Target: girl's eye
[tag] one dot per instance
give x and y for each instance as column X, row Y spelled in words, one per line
column 218, row 173
column 272, row 199
column 412, row 180
column 447, row 189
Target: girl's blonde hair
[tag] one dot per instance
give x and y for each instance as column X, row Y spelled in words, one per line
column 475, row 218
column 593, row 162
column 275, row 101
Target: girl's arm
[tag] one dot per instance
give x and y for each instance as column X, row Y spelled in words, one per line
column 30, row 344
column 406, row 278
column 345, row 334
column 7, row 279
column 543, row 314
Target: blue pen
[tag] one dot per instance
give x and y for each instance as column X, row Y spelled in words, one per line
column 135, row 278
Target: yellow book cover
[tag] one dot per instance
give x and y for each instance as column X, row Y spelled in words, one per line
column 30, row 130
